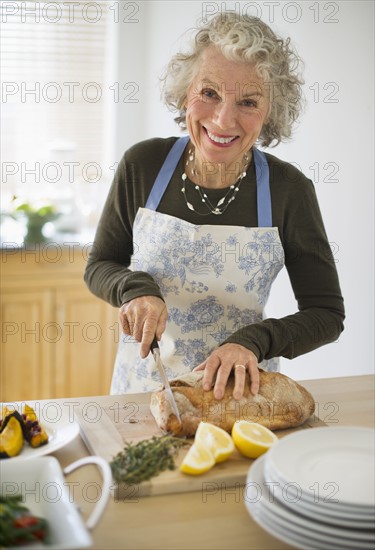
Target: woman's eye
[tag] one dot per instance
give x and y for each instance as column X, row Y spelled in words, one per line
column 209, row 94
column 249, row 103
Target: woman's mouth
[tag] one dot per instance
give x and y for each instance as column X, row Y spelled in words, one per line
column 223, row 141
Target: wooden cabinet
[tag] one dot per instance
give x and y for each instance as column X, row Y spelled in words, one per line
column 25, row 360
column 58, row 340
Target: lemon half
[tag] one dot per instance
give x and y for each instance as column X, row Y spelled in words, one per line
column 211, row 445
column 252, row 439
column 214, row 439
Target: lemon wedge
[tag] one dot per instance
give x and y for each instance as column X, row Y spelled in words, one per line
column 197, row 461
column 252, row 439
column 214, row 439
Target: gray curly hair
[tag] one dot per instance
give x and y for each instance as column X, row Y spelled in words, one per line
column 244, row 39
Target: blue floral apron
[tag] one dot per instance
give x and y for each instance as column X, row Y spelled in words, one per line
column 215, row 280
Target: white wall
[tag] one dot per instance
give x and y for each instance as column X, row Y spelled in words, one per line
column 335, row 134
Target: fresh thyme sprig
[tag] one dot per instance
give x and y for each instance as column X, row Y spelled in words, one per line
column 141, row 461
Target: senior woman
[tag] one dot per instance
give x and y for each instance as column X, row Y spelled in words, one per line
column 196, row 229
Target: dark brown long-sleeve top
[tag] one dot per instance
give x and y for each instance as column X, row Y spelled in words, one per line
column 295, row 211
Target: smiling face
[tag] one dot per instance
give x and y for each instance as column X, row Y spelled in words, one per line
column 226, row 107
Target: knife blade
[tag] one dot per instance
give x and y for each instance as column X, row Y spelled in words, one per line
column 156, row 353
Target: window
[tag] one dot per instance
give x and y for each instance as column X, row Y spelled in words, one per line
column 54, row 58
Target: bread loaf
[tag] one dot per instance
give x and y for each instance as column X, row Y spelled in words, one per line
column 281, row 403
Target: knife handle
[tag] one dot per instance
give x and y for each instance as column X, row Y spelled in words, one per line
column 154, row 344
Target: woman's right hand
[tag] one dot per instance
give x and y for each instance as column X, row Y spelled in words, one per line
column 144, row 318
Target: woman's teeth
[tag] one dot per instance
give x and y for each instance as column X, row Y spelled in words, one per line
column 220, row 139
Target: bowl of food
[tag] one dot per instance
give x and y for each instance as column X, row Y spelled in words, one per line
column 37, row 508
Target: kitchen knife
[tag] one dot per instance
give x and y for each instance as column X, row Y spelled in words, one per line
column 156, row 353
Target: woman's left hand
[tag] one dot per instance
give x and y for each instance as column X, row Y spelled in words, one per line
column 220, row 364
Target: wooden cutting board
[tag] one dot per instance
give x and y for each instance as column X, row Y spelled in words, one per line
column 127, row 418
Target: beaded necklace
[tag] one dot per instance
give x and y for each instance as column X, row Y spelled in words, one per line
column 224, row 202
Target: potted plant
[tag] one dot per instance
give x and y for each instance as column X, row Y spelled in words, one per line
column 36, row 217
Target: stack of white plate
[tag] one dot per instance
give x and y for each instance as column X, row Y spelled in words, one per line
column 315, row 489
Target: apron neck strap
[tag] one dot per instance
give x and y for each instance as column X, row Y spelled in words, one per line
column 166, row 172
column 264, row 203
column 262, row 178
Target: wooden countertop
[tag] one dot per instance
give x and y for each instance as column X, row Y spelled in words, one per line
column 194, row 520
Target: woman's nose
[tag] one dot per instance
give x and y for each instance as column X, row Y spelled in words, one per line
column 225, row 114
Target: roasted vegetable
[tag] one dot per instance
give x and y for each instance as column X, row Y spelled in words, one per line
column 5, row 412
column 35, row 434
column 11, row 435
column 22, row 428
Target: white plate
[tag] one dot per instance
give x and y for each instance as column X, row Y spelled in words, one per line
column 292, row 528
column 59, row 436
column 303, row 542
column 323, row 508
column 284, row 534
column 324, row 458
column 58, row 423
column 45, row 492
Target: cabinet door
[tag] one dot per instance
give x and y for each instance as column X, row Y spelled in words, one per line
column 86, row 350
column 27, row 342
